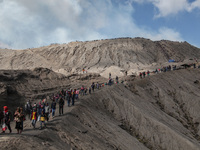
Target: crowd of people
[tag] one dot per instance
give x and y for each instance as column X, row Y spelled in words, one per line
column 44, row 109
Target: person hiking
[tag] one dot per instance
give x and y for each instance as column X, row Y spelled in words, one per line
column 73, row 96
column 41, row 109
column 53, row 108
column 110, row 82
column 61, row 104
column 77, row 93
column 148, row 73
column 6, row 120
column 89, row 90
column 109, row 75
column 22, row 118
column 18, row 120
column 82, row 90
column 97, row 85
column 42, row 119
column 141, row 75
column 144, row 73
column 34, row 118
column 117, row 79
column 85, row 91
column 68, row 97
column 47, row 111
column 28, row 109
column 93, row 86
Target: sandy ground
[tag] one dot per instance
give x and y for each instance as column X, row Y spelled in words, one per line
column 158, row 112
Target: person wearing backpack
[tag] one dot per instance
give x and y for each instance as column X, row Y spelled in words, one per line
column 6, row 120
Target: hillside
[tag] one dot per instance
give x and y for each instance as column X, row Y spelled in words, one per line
column 101, row 56
column 19, row 86
column 159, row 112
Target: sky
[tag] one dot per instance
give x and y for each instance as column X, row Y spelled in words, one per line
column 35, row 23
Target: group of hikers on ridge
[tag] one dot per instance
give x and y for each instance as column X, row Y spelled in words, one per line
column 41, row 111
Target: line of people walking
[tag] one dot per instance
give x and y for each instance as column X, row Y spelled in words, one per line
column 41, row 111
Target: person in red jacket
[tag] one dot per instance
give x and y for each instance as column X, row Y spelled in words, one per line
column 6, row 120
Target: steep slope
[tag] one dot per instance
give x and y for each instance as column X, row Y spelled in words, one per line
column 159, row 121
column 97, row 56
column 159, row 112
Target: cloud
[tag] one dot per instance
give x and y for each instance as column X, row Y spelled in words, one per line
column 166, row 33
column 194, row 5
column 169, row 7
column 166, row 8
column 27, row 24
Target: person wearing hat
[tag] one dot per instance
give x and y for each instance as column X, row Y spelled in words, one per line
column 6, row 120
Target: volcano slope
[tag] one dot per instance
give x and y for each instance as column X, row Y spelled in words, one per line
column 159, row 112
column 130, row 54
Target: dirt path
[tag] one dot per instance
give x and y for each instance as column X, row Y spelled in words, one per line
column 28, row 128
